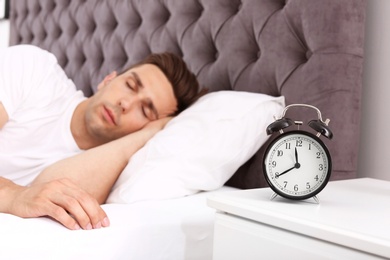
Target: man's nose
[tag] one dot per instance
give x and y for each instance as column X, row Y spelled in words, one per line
column 125, row 104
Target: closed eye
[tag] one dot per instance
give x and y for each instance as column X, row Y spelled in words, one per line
column 149, row 110
column 144, row 113
column 131, row 85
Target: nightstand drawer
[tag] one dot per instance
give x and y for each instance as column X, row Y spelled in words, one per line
column 239, row 238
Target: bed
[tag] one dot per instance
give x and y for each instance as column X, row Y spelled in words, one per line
column 294, row 51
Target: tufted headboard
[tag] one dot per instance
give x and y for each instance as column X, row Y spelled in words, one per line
column 310, row 51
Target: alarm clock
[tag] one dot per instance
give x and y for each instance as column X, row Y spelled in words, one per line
column 297, row 164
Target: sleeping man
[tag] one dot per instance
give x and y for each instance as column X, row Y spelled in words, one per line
column 60, row 152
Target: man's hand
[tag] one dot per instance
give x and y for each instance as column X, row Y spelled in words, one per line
column 156, row 125
column 59, row 199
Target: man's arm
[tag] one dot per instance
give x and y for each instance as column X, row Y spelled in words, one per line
column 3, row 115
column 96, row 170
column 69, row 190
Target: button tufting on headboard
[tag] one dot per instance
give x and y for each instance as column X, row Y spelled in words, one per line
column 239, row 7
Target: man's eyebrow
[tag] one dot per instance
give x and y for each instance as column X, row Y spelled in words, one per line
column 137, row 79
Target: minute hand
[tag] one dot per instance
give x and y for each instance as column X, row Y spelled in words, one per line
column 286, row 171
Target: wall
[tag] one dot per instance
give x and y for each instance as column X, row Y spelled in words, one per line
column 4, row 33
column 374, row 159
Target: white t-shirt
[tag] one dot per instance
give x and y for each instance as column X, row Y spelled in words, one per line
column 40, row 101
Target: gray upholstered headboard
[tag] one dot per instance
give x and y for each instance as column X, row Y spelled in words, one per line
column 310, row 51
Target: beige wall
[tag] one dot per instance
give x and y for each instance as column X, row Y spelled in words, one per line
column 374, row 159
column 4, row 33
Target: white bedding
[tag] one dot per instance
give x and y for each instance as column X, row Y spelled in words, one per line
column 166, row 229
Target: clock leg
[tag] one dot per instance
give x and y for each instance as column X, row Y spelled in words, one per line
column 274, row 195
column 315, row 198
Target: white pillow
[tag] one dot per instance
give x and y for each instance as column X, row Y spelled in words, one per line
column 200, row 149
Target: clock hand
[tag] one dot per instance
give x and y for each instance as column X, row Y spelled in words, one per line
column 297, row 165
column 286, row 171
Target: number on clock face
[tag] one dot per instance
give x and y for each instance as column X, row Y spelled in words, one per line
column 297, row 165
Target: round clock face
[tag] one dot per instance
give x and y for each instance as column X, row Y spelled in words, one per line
column 297, row 165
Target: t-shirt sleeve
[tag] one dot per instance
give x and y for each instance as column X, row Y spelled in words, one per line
column 24, row 72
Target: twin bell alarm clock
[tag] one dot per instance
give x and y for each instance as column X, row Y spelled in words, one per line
column 297, row 164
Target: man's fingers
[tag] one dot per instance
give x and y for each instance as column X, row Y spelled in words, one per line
column 73, row 207
column 82, row 206
column 85, row 204
column 59, row 214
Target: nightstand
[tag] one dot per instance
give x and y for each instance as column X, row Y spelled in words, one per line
column 352, row 221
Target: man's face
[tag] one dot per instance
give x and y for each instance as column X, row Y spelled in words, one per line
column 126, row 103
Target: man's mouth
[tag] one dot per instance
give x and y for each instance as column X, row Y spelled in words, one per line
column 108, row 115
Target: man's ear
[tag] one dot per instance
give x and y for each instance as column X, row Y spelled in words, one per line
column 106, row 80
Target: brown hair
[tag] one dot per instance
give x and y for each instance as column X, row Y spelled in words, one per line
column 184, row 82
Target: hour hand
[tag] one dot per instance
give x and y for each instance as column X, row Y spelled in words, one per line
column 297, row 164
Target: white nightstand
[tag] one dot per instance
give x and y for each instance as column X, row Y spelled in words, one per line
column 352, row 221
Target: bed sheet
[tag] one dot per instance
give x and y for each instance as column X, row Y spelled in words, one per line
column 166, row 229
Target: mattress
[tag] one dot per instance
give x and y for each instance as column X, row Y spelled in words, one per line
column 161, row 229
